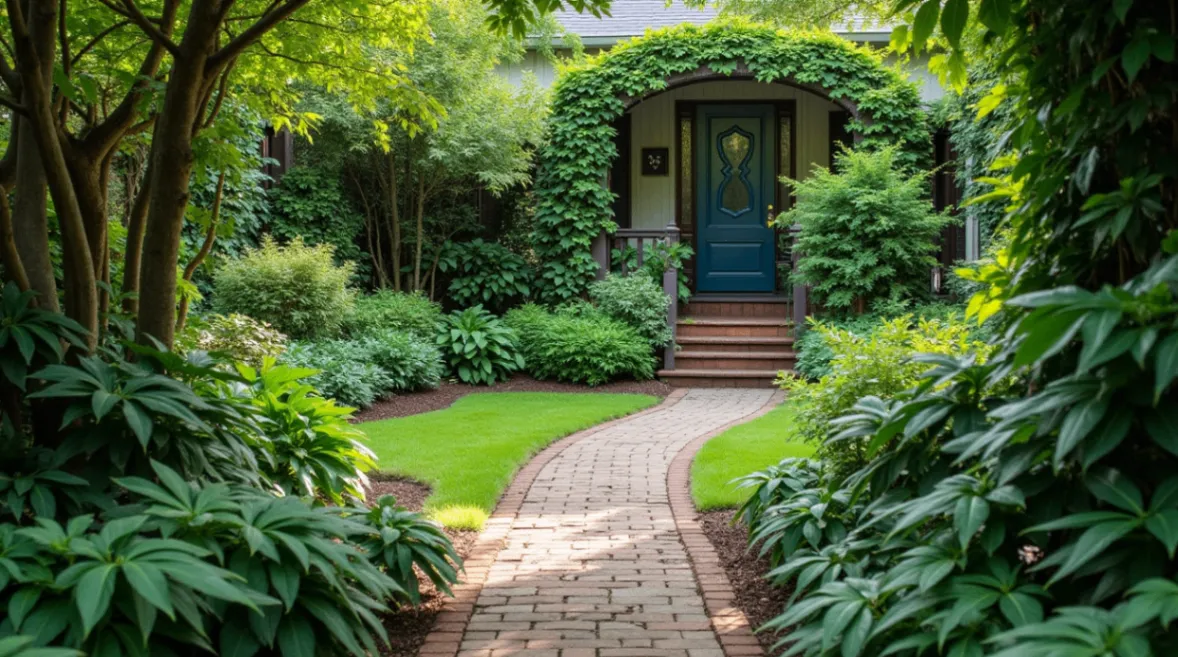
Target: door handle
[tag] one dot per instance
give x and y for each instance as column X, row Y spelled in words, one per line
column 769, row 217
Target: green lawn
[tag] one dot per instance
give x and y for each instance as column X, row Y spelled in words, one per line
column 742, row 450
column 469, row 452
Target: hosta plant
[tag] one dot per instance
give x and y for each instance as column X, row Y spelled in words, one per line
column 405, row 542
column 313, row 450
column 477, row 347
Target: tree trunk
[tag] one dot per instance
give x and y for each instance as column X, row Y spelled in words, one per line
column 171, row 168
column 395, row 217
column 14, row 269
column 136, row 226
column 33, row 38
column 30, row 217
column 420, row 230
column 205, row 248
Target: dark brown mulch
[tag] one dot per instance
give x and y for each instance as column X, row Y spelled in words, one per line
column 759, row 601
column 448, row 393
column 408, row 626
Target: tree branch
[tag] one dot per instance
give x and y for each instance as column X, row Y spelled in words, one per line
column 96, row 40
column 130, row 11
column 12, row 104
column 274, row 16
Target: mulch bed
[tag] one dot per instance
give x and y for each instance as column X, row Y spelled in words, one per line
column 448, row 393
column 759, row 601
column 408, row 626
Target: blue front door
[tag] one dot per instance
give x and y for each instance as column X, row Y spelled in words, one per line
column 734, row 189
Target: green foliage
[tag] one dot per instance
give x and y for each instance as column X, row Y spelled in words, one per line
column 814, row 354
column 310, row 204
column 978, row 142
column 172, row 568
column 237, row 337
column 313, row 450
column 31, row 337
column 1024, row 506
column 657, row 259
column 879, row 363
column 295, row 287
column 573, row 207
column 360, row 370
column 485, row 273
column 385, row 310
column 868, row 231
column 580, row 344
column 477, row 347
column 111, row 552
column 405, row 541
column 636, row 301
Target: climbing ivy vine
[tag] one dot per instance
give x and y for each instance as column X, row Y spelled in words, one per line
column 573, row 205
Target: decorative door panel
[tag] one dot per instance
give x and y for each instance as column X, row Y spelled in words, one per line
column 734, row 151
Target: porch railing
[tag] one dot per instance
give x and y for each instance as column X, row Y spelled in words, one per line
column 643, row 240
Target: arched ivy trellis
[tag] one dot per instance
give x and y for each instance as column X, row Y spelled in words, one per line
column 572, row 204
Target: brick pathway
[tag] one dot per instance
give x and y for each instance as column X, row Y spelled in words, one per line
column 592, row 563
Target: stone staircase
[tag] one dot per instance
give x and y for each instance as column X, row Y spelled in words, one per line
column 732, row 342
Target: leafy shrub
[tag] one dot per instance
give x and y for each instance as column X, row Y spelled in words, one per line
column 486, row 274
column 580, row 344
column 295, row 287
column 880, row 363
column 359, row 371
column 238, row 337
column 112, row 552
column 477, row 347
column 309, row 204
column 386, row 309
column 636, row 301
column 868, row 232
column 313, row 450
column 656, row 260
column 404, row 541
column 814, row 355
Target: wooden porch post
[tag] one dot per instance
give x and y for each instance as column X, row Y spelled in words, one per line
column 600, row 251
column 671, row 289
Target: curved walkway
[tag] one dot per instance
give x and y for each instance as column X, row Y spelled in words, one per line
column 589, row 560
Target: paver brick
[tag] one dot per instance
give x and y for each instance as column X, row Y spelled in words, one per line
column 590, row 560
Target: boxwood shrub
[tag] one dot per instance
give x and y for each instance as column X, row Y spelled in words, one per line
column 580, row 344
column 386, row 309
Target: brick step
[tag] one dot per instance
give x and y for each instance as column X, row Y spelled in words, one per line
column 683, row 378
column 762, row 327
column 772, row 307
column 735, row 344
column 728, row 360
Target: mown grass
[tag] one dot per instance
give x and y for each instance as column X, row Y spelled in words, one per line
column 468, row 453
column 742, row 450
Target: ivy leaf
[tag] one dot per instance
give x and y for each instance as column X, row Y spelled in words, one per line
column 995, row 15
column 926, row 20
column 1134, row 56
column 953, row 20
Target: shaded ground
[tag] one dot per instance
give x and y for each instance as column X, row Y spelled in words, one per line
column 759, row 601
column 448, row 393
column 408, row 627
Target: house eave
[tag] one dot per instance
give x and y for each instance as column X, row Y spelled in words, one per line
column 607, row 41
